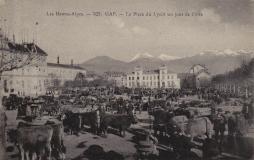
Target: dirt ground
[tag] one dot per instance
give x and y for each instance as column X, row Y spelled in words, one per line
column 126, row 147
column 77, row 144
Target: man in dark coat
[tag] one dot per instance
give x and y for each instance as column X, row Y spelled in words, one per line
column 220, row 122
column 3, row 121
column 248, row 111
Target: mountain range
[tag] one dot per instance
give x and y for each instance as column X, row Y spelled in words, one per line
column 217, row 62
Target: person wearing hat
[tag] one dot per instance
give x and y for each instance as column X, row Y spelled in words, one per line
column 219, row 126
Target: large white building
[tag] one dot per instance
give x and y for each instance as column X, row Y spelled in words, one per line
column 37, row 78
column 118, row 78
column 160, row 78
column 63, row 72
column 28, row 80
column 201, row 74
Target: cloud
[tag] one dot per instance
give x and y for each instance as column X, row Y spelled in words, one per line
column 139, row 30
column 118, row 22
column 210, row 15
column 124, row 29
column 2, row 2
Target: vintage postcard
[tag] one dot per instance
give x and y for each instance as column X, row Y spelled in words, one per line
column 127, row 80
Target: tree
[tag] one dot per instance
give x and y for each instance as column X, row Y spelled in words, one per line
column 14, row 56
column 242, row 76
column 80, row 76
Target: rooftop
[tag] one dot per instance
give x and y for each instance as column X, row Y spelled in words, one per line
column 25, row 48
column 151, row 71
column 65, row 66
column 202, row 70
column 202, row 65
column 114, row 74
column 156, row 71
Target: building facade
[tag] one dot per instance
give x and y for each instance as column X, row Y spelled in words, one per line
column 36, row 78
column 118, row 78
column 160, row 78
column 58, row 73
column 201, row 74
column 28, row 80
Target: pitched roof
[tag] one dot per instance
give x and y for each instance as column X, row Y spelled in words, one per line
column 114, row 74
column 26, row 48
column 151, row 71
column 198, row 65
column 64, row 66
column 203, row 70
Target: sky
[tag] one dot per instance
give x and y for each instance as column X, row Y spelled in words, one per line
column 217, row 25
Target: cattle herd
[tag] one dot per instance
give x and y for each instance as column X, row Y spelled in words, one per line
column 182, row 120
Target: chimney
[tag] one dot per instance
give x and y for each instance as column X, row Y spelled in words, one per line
column 57, row 59
column 71, row 62
column 13, row 38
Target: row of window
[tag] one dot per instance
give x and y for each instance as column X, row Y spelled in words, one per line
column 152, row 84
column 162, row 72
column 28, row 70
column 153, row 77
column 22, row 83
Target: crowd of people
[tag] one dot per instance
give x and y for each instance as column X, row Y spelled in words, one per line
column 124, row 101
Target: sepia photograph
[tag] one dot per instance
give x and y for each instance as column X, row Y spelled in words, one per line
column 126, row 79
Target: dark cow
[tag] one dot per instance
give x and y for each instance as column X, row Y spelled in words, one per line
column 161, row 118
column 91, row 119
column 72, row 122
column 117, row 121
column 34, row 140
column 75, row 121
column 184, row 112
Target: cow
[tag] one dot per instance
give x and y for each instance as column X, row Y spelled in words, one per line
column 117, row 121
column 91, row 119
column 34, row 140
column 75, row 121
column 184, row 112
column 177, row 124
column 72, row 122
column 192, row 127
column 161, row 118
column 58, row 148
column 199, row 127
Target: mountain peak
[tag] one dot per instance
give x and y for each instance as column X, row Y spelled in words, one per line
column 166, row 57
column 141, row 56
column 226, row 52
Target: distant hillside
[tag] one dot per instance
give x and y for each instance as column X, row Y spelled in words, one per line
column 102, row 64
column 217, row 62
